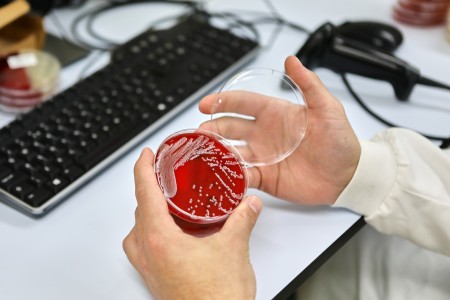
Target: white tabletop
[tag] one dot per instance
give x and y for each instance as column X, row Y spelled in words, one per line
column 75, row 251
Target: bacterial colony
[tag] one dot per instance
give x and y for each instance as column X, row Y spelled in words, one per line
column 201, row 178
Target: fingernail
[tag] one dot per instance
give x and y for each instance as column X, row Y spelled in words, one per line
column 144, row 152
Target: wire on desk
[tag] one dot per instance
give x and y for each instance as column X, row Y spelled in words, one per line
column 95, row 54
column 445, row 141
column 62, row 33
column 92, row 15
column 104, row 45
column 279, row 23
column 275, row 17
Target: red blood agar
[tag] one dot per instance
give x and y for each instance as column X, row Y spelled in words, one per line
column 16, row 79
column 421, row 12
column 202, row 179
column 16, row 89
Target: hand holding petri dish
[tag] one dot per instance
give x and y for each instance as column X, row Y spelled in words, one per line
column 258, row 118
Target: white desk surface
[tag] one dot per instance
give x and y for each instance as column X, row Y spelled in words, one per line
column 75, row 251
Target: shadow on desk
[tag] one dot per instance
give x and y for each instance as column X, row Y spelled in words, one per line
column 289, row 292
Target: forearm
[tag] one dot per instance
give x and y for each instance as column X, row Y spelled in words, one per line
column 402, row 187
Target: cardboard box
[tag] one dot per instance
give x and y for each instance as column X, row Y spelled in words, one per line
column 19, row 29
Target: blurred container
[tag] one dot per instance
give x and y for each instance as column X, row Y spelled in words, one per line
column 27, row 77
column 421, row 12
column 448, row 24
column 18, row 28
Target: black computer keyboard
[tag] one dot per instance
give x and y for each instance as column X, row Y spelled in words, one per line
column 48, row 153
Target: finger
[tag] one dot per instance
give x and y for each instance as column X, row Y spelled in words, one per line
column 315, row 92
column 206, row 103
column 241, row 222
column 151, row 201
column 240, row 102
column 233, row 128
column 255, row 153
column 254, row 178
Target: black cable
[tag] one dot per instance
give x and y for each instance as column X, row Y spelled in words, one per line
column 238, row 22
column 89, row 27
column 89, row 16
column 93, row 15
column 287, row 23
column 106, row 44
column 445, row 140
column 433, row 83
column 271, row 19
column 279, row 25
column 445, row 143
column 276, row 18
column 62, row 33
column 77, row 36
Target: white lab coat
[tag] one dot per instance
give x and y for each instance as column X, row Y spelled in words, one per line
column 402, row 187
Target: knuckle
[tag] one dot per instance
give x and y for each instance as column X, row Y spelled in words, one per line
column 247, row 215
column 136, row 167
column 127, row 243
column 140, row 192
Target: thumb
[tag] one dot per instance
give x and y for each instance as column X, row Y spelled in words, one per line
column 244, row 217
column 316, row 94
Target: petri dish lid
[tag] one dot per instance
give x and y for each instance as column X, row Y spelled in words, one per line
column 262, row 113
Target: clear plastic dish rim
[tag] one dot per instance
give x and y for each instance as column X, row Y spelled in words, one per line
column 198, row 219
column 286, row 79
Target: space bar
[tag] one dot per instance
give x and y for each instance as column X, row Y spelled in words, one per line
column 108, row 147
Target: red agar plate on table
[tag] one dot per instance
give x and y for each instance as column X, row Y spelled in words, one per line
column 27, row 78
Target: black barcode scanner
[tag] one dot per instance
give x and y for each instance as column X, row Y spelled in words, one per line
column 381, row 36
column 363, row 48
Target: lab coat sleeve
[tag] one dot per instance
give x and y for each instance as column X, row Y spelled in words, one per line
column 402, row 187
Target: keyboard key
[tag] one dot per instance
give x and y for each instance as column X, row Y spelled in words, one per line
column 12, row 179
column 22, row 189
column 57, row 184
column 38, row 197
column 72, row 173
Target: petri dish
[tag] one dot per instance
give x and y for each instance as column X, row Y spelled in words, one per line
column 27, row 78
column 420, row 12
column 201, row 176
column 262, row 113
column 448, row 24
column 258, row 118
